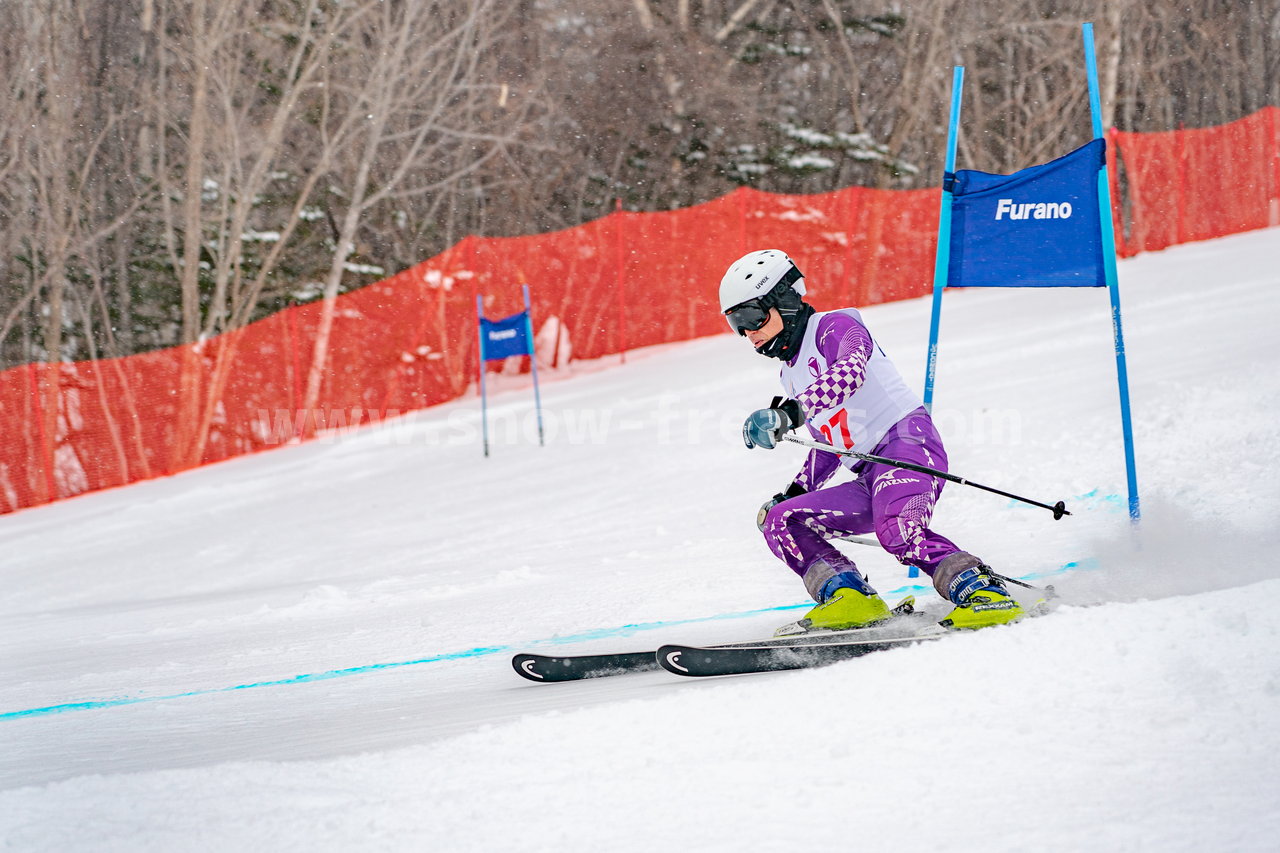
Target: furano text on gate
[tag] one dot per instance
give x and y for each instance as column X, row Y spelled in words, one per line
column 1033, row 210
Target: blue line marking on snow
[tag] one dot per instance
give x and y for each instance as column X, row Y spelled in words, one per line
column 303, row 678
column 480, row 651
column 1091, row 500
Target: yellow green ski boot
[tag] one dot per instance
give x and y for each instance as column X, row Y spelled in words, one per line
column 847, row 608
column 981, row 601
column 847, row 602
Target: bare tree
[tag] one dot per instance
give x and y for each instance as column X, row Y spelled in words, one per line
column 390, row 112
column 251, row 69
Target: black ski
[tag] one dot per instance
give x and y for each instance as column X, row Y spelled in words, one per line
column 808, row 650
column 696, row 661
column 544, row 668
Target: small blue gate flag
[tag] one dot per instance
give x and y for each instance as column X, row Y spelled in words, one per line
column 1039, row 227
column 506, row 337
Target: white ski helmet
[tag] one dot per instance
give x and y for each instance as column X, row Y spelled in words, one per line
column 755, row 275
column 755, row 285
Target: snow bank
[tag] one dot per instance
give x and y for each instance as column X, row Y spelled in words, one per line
column 1121, row 727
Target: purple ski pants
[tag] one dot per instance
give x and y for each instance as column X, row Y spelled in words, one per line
column 894, row 503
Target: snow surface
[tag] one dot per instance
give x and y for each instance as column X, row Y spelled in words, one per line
column 309, row 649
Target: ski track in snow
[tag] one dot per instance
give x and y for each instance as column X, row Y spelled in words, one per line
column 308, row 649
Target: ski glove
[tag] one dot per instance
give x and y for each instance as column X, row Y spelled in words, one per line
column 793, row 491
column 766, row 427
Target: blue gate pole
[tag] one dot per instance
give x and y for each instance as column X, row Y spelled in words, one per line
column 533, row 362
column 1113, row 282
column 484, row 413
column 942, row 255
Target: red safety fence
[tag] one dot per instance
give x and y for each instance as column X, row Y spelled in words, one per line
column 1187, row 185
column 623, row 281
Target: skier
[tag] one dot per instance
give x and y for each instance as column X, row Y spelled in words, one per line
column 841, row 385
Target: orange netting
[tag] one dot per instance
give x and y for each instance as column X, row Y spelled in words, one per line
column 627, row 280
column 1187, row 185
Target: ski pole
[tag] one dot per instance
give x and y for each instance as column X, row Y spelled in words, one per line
column 1059, row 509
column 1047, row 589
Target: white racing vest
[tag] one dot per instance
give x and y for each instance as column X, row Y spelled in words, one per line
column 862, row 420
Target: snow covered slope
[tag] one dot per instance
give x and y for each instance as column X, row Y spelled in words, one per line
column 308, row 649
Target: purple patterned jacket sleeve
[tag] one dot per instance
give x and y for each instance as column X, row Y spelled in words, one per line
column 846, row 345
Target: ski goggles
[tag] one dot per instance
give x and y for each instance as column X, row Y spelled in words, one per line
column 747, row 317
column 754, row 313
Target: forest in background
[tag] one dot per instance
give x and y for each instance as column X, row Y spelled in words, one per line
column 172, row 169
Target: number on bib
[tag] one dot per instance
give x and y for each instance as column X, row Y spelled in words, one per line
column 839, row 419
